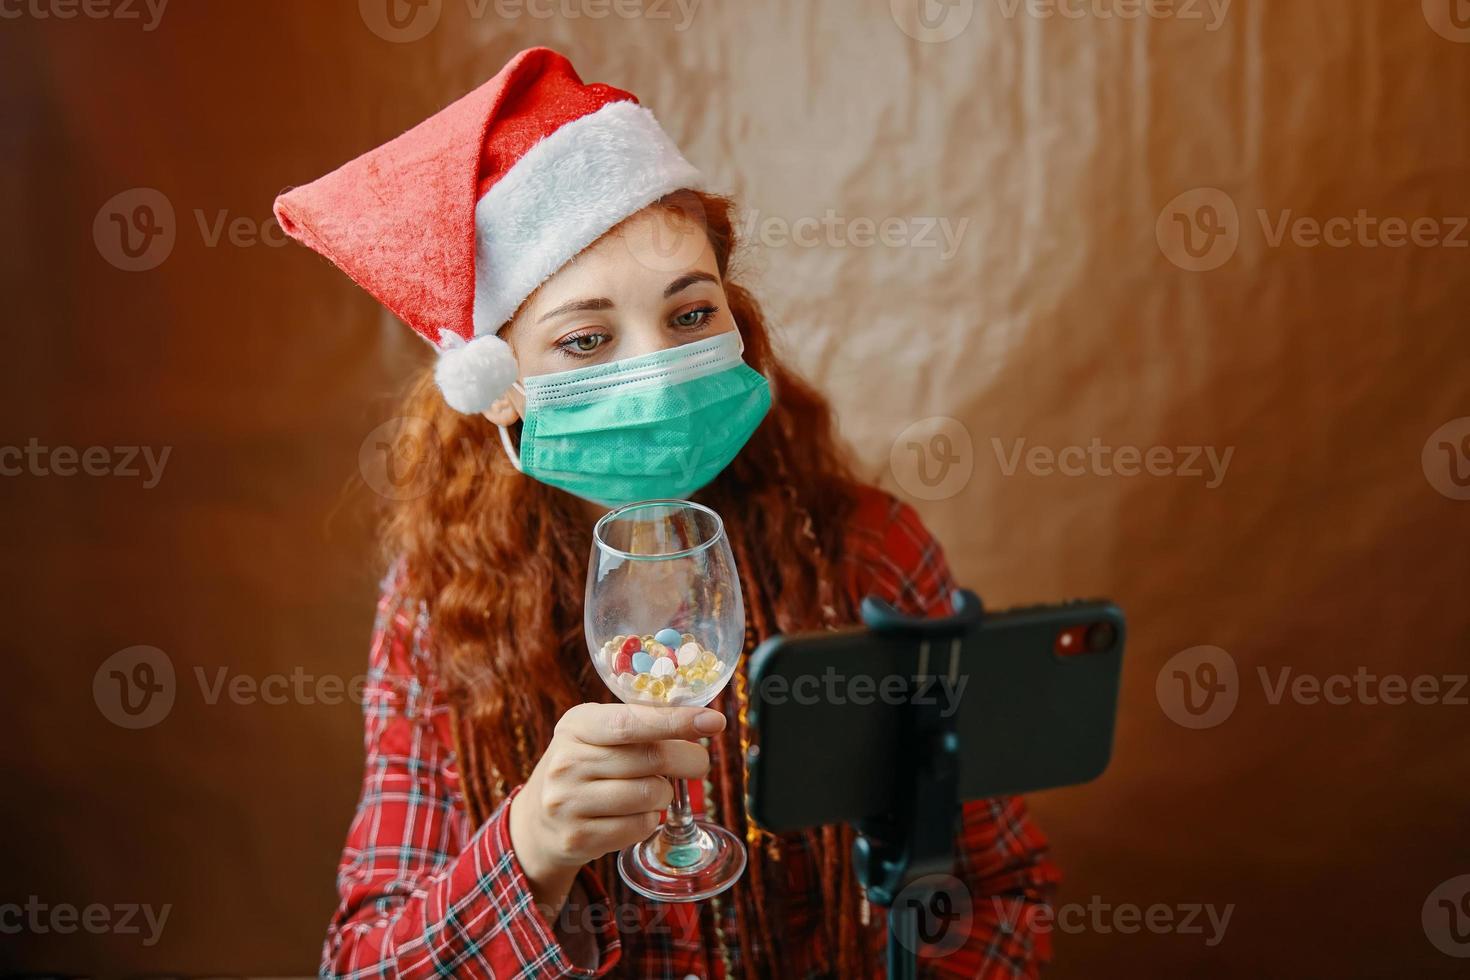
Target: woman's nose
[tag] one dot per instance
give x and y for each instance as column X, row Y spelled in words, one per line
column 649, row 339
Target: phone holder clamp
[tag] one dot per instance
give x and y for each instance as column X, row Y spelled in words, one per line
column 895, row 852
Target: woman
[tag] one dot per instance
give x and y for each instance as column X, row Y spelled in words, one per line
column 538, row 226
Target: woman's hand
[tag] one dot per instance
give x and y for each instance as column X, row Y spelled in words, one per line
column 602, row 785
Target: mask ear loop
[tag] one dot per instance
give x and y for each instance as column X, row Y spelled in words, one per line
column 510, row 452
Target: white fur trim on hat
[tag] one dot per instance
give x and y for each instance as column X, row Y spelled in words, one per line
column 472, row 374
column 562, row 195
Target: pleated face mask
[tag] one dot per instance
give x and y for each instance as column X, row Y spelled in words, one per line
column 656, row 426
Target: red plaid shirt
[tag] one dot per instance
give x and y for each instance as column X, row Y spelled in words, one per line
column 426, row 895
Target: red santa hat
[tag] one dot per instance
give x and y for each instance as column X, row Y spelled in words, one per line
column 453, row 224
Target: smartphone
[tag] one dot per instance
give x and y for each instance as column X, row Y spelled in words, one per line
column 1032, row 694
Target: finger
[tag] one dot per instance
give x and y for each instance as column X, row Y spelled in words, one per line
column 623, row 724
column 674, row 758
column 624, row 797
column 596, row 836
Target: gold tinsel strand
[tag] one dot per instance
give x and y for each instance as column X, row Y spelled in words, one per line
column 717, row 907
column 742, row 711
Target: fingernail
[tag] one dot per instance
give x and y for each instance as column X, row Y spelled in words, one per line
column 709, row 722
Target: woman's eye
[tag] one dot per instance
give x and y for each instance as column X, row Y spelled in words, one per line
column 584, row 343
column 695, row 318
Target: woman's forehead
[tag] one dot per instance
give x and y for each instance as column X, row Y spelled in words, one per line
column 633, row 262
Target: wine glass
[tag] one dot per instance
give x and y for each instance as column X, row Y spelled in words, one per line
column 665, row 625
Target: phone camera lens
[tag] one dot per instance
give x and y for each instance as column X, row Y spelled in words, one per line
column 1101, row 636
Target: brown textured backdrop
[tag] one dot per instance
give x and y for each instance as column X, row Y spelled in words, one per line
column 1068, row 309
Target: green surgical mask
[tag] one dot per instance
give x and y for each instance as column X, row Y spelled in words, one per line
column 662, row 425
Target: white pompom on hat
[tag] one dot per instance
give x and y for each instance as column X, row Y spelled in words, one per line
column 473, row 373
column 453, row 224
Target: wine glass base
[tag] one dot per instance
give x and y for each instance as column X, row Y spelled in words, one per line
column 672, row 871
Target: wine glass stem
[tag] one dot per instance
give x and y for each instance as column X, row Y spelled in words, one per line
column 679, row 825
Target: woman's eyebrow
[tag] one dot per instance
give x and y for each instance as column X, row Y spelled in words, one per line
column 577, row 306
column 687, row 280
column 600, row 303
